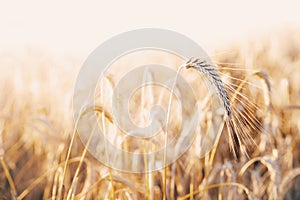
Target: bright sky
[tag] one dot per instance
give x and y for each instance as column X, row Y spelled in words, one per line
column 78, row 27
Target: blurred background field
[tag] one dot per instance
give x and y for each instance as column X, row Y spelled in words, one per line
column 43, row 46
column 36, row 128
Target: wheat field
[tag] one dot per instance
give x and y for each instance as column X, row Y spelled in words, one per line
column 42, row 157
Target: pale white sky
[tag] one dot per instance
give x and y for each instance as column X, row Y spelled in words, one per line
column 77, row 27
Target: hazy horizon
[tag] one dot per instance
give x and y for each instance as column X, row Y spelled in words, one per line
column 65, row 28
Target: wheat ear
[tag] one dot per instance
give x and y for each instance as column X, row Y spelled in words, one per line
column 212, row 74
